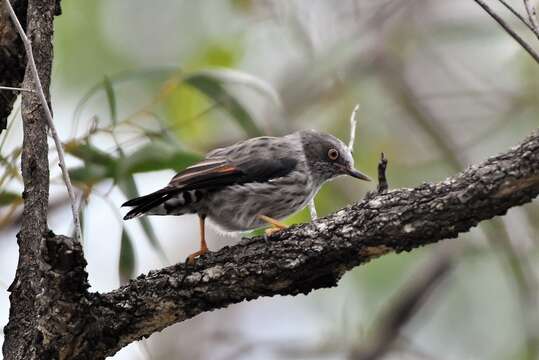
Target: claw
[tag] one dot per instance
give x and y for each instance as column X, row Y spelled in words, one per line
column 276, row 226
column 191, row 259
column 271, row 231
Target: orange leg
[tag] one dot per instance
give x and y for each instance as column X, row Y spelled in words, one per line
column 203, row 245
column 276, row 225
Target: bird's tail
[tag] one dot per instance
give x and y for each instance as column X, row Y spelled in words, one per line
column 143, row 204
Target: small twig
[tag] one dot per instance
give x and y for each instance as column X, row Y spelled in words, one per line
column 353, row 124
column 382, row 180
column 82, row 203
column 508, row 29
column 9, row 88
column 312, row 210
column 532, row 15
column 48, row 115
column 520, row 17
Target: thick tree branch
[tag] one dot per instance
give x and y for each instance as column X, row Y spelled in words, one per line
column 48, row 115
column 21, row 333
column 304, row 257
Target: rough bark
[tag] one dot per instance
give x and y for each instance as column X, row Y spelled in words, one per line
column 315, row 255
column 21, row 332
column 12, row 58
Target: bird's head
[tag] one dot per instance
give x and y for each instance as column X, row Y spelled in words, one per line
column 328, row 157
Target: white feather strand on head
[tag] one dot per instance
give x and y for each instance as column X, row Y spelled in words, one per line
column 312, row 210
column 353, row 124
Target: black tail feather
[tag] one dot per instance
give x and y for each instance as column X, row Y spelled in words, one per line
column 145, row 203
column 141, row 209
column 146, row 198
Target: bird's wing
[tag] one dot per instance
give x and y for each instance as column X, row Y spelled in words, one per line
column 210, row 174
column 231, row 151
column 218, row 172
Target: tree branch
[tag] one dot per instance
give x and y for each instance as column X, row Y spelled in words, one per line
column 21, row 333
column 48, row 115
column 510, row 31
column 304, row 257
column 532, row 15
column 520, row 17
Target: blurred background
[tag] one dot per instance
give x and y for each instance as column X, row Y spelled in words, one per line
column 141, row 89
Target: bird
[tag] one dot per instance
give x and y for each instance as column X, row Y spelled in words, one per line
column 252, row 183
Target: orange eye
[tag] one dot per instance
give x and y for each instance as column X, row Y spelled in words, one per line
column 333, row 154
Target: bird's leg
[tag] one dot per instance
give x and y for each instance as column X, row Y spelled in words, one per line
column 203, row 245
column 276, row 225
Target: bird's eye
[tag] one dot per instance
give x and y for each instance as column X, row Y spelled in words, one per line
column 333, row 154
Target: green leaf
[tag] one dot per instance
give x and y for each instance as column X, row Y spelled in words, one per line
column 126, row 263
column 221, row 53
column 154, row 156
column 90, row 154
column 234, row 77
column 111, row 99
column 8, row 198
column 98, row 165
column 90, row 174
column 209, row 82
column 211, row 85
column 121, row 77
column 157, row 155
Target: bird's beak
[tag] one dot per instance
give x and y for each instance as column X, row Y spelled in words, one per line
column 358, row 174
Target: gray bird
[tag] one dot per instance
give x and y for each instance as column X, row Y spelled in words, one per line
column 252, row 183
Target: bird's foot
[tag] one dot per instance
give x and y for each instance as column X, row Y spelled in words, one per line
column 269, row 232
column 276, row 225
column 272, row 230
column 191, row 259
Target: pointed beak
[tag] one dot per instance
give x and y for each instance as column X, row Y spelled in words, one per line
column 358, row 174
